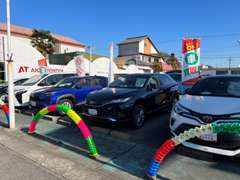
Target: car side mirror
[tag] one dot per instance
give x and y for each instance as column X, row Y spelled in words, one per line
column 149, row 88
column 42, row 83
column 186, row 91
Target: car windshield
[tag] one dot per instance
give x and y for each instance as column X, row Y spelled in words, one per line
column 67, row 83
column 218, row 86
column 176, row 77
column 129, row 82
column 33, row 80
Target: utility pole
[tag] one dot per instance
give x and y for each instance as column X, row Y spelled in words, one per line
column 229, row 65
column 10, row 70
column 110, row 72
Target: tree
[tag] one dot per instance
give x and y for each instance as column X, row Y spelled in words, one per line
column 176, row 65
column 43, row 41
column 157, row 66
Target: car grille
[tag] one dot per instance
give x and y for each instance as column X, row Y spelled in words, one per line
column 208, row 118
column 225, row 140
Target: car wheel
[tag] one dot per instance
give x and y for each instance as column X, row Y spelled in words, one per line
column 66, row 102
column 138, row 116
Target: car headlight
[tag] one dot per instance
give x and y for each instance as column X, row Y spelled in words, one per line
column 21, row 92
column 121, row 100
column 179, row 109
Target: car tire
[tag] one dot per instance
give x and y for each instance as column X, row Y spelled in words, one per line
column 138, row 116
column 66, row 102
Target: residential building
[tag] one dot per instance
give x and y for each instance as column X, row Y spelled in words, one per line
column 141, row 52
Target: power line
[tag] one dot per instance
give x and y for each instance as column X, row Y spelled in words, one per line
column 208, row 36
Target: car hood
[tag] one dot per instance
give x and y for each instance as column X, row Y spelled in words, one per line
column 48, row 90
column 211, row 104
column 107, row 94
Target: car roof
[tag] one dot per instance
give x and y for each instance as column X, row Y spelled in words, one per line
column 223, row 76
column 86, row 77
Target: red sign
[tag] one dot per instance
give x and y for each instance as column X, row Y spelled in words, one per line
column 42, row 62
column 190, row 45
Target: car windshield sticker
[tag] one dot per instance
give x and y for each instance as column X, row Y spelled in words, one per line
column 233, row 88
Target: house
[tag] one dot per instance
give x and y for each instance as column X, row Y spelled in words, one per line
column 141, row 52
column 26, row 57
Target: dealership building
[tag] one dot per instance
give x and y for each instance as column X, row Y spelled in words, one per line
column 26, row 57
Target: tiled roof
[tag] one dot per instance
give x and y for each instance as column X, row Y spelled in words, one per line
column 22, row 31
column 133, row 39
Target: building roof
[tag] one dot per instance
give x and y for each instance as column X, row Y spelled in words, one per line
column 22, row 31
column 133, row 39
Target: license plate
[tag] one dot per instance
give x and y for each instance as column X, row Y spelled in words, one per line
column 212, row 137
column 33, row 103
column 92, row 112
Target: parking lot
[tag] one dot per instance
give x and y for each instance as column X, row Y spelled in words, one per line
column 126, row 153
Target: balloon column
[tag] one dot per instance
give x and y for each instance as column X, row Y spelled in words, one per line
column 5, row 109
column 170, row 144
column 74, row 116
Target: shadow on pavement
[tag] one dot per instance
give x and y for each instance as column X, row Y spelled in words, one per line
column 120, row 147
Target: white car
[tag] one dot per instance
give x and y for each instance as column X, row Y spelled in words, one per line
column 23, row 92
column 212, row 99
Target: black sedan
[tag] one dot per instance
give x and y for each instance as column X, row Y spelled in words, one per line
column 130, row 97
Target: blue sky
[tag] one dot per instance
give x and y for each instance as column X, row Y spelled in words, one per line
column 98, row 22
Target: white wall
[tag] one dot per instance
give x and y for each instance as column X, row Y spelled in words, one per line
column 141, row 46
column 153, row 50
column 26, row 59
column 101, row 66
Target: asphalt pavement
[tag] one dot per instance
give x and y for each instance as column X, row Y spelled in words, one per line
column 125, row 153
column 15, row 166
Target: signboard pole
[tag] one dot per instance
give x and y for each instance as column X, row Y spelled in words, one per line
column 10, row 71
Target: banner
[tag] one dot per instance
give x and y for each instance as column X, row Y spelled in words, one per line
column 191, row 58
column 80, row 66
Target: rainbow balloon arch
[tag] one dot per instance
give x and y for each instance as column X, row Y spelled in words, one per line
column 73, row 116
column 5, row 109
column 170, row 144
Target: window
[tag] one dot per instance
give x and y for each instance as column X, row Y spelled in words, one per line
column 217, row 86
column 165, row 80
column 52, row 80
column 153, row 83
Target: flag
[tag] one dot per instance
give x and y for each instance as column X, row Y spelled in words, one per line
column 191, row 58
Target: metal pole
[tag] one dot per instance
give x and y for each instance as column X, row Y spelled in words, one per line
column 90, row 59
column 229, row 65
column 10, row 71
column 4, row 58
column 110, row 75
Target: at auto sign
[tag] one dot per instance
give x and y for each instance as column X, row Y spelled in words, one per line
column 191, row 58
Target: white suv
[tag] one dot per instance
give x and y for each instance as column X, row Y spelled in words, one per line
column 211, row 100
column 23, row 92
